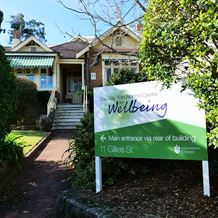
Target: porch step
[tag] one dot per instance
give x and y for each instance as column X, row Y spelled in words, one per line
column 65, row 128
column 67, row 116
column 60, row 112
column 71, row 106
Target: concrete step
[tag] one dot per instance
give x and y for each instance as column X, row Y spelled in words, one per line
column 67, row 118
column 69, row 108
column 62, row 122
column 66, row 126
column 69, row 105
column 62, row 128
column 69, row 112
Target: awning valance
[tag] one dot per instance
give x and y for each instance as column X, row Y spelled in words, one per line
column 30, row 61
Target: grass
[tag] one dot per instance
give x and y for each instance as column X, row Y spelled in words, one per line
column 29, row 137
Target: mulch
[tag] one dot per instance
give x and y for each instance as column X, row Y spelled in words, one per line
column 163, row 193
column 176, row 193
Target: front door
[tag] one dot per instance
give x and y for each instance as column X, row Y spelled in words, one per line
column 74, row 88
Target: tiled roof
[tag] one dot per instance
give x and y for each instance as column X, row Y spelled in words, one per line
column 7, row 48
column 70, row 49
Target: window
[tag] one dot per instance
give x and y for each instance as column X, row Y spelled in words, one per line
column 20, row 74
column 43, row 78
column 69, row 86
column 43, row 71
column 115, row 65
column 119, row 41
column 30, row 75
column 107, row 73
column 33, row 48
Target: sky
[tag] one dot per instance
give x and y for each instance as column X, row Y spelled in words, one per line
column 56, row 18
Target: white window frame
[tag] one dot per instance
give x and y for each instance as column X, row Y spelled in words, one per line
column 120, row 66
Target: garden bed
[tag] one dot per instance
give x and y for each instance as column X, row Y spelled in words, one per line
column 163, row 194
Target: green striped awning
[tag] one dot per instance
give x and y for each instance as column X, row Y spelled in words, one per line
column 30, row 61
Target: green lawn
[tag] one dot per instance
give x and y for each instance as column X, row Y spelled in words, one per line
column 29, row 137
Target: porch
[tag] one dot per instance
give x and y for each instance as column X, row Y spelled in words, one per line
column 71, row 83
column 70, row 86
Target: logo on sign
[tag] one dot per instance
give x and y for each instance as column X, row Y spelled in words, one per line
column 177, row 149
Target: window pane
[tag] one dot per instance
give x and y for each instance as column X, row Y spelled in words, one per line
column 43, row 71
column 69, row 85
column 118, row 41
column 50, row 82
column 30, row 77
column 108, row 73
column 43, row 82
column 107, row 62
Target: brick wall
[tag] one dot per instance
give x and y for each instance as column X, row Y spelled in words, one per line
column 95, row 66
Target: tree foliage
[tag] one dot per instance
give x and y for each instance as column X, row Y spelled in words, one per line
column 8, row 94
column 26, row 92
column 125, row 76
column 180, row 40
column 27, row 28
column 11, row 151
column 1, row 17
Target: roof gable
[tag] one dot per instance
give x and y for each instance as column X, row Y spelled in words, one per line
column 108, row 33
column 28, row 41
column 118, row 27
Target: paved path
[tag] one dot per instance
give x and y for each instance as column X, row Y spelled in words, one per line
column 41, row 182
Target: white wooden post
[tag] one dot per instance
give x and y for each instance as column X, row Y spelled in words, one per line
column 206, row 178
column 98, row 174
column 83, row 77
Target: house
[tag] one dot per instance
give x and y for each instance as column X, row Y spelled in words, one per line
column 70, row 69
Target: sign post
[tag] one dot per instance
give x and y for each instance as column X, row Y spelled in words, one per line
column 206, row 178
column 98, row 174
column 143, row 120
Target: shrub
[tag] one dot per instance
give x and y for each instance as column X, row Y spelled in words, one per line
column 43, row 97
column 81, row 153
column 82, row 148
column 11, row 151
column 26, row 101
column 7, row 94
column 82, row 159
column 46, row 121
column 125, row 76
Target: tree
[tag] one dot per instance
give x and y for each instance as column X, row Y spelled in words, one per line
column 7, row 96
column 26, row 110
column 27, row 28
column 180, row 40
column 125, row 76
column 1, row 18
column 109, row 13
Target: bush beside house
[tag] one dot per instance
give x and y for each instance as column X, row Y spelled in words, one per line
column 11, row 153
column 26, row 92
column 7, row 96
